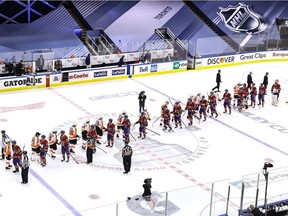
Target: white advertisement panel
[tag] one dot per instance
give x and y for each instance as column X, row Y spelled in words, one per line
column 18, row 82
column 71, row 62
column 132, row 57
column 241, row 58
column 96, row 73
column 110, row 59
column 165, row 66
column 96, row 60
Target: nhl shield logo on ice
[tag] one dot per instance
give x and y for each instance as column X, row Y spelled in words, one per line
column 241, row 18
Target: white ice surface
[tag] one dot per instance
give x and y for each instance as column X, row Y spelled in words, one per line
column 221, row 150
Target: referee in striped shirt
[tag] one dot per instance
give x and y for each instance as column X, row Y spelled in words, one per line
column 127, row 155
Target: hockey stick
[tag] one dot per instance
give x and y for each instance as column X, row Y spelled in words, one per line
column 74, row 159
column 155, row 121
column 184, row 123
column 153, row 131
column 170, row 102
column 101, row 149
column 132, row 135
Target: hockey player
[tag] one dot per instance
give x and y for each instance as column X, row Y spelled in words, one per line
column 73, row 136
column 167, row 118
column 43, row 150
column 253, row 95
column 99, row 125
column 235, row 95
column 162, row 110
column 213, row 104
column 191, row 109
column 64, row 142
column 196, row 100
column 17, row 156
column 203, row 107
column 177, row 111
column 4, row 139
column 93, row 134
column 110, row 133
column 35, row 145
column 227, row 101
column 261, row 94
column 126, row 125
column 143, row 123
column 52, row 142
column 85, row 130
column 275, row 90
column 8, row 154
column 119, row 123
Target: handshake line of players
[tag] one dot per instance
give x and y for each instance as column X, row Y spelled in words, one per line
column 198, row 106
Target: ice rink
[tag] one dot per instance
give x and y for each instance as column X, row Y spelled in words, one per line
column 226, row 150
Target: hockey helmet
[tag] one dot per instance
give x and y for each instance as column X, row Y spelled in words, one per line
column 14, row 142
column 189, row 99
column 25, row 152
column 226, row 90
column 54, row 131
column 110, row 120
column 43, row 136
column 125, row 116
column 74, row 124
column 165, row 107
column 203, row 96
column 92, row 126
column 167, row 102
column 142, row 113
column 3, row 131
column 276, row 80
column 62, row 132
column 124, row 112
column 211, row 92
column 87, row 121
column 100, row 118
column 177, row 102
column 37, row 134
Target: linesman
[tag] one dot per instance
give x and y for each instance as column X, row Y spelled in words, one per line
column 127, row 155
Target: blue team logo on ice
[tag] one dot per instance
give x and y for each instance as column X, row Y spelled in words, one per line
column 241, row 18
column 154, row 68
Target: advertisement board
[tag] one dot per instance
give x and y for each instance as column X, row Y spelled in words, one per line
column 159, row 67
column 88, row 74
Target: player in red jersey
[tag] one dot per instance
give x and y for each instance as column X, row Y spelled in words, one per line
column 275, row 90
column 253, row 95
column 261, row 94
column 143, row 122
column 43, row 149
column 167, row 117
column 191, row 109
column 203, row 107
column 177, row 111
column 213, row 104
column 227, row 101
column 17, row 156
column 110, row 133
column 64, row 142
column 126, row 128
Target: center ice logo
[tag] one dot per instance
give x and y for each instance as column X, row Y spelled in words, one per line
column 241, row 18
